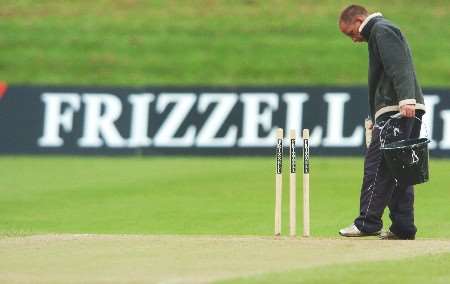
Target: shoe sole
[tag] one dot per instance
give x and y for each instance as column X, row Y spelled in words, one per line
column 395, row 239
column 361, row 235
column 391, row 236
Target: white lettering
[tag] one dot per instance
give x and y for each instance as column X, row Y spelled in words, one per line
column 225, row 103
column 139, row 120
column 166, row 133
column 445, row 143
column 53, row 118
column 253, row 118
column 315, row 139
column 335, row 123
column 294, row 111
column 427, row 129
column 102, row 110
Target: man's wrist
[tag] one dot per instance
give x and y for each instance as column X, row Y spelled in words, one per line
column 407, row 102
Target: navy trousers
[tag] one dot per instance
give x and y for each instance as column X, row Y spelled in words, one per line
column 380, row 189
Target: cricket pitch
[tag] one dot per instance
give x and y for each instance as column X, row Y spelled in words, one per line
column 184, row 259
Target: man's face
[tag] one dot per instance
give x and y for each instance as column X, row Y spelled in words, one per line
column 352, row 29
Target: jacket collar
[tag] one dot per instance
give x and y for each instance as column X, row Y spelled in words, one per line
column 368, row 23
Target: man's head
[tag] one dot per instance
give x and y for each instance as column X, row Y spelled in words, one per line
column 350, row 20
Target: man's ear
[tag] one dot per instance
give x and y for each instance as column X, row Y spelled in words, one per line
column 359, row 19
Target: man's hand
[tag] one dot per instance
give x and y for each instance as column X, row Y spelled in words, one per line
column 408, row 111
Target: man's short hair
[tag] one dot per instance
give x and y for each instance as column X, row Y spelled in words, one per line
column 349, row 13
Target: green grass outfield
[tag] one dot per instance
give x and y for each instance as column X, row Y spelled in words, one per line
column 423, row 269
column 172, row 195
column 200, row 219
column 207, row 42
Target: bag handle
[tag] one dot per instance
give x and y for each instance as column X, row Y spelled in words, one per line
column 394, row 117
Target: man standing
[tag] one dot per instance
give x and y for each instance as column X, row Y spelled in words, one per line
column 393, row 89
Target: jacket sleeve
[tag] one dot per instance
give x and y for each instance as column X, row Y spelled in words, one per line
column 397, row 63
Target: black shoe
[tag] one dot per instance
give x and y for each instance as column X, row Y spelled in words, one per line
column 388, row 235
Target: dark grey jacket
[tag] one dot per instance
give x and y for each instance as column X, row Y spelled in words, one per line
column 392, row 76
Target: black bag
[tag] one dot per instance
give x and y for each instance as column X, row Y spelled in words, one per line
column 407, row 159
